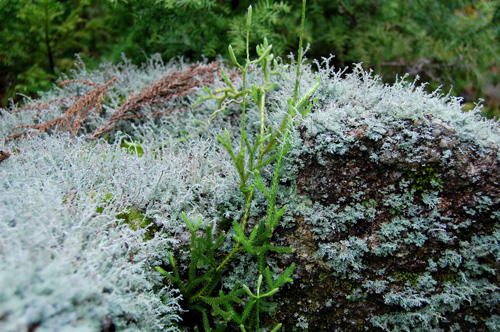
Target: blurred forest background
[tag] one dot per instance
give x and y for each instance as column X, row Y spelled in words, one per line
column 449, row 43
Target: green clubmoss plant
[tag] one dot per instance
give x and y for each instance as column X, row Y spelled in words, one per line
column 249, row 157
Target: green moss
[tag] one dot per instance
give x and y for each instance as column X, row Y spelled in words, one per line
column 445, row 277
column 370, row 203
column 402, row 276
column 136, row 220
column 333, row 282
column 133, row 217
column 425, row 179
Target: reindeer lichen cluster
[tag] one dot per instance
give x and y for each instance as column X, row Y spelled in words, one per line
column 249, row 157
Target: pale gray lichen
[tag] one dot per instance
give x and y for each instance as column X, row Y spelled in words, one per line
column 403, row 182
column 391, row 202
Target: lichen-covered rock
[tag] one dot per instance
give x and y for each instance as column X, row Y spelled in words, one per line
column 395, row 223
column 392, row 198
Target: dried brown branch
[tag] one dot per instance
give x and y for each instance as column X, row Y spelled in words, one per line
column 84, row 82
column 41, row 105
column 152, row 115
column 178, row 83
column 72, row 118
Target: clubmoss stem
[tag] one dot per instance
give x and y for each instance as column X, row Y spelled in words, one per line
column 299, row 60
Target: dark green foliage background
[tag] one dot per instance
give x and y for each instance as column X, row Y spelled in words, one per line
column 453, row 43
column 39, row 40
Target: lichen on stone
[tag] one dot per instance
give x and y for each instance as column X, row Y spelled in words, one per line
column 403, row 200
column 392, row 207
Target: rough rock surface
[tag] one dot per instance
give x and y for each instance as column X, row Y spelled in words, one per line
column 397, row 231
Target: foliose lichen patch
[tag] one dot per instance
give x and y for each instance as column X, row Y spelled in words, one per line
column 397, row 222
